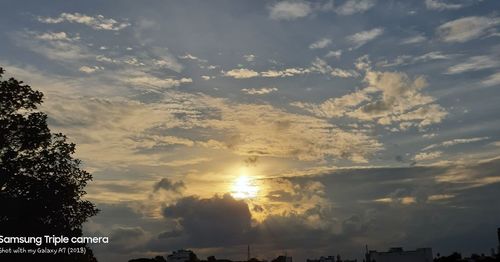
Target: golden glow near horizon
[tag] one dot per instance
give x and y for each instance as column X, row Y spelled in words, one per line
column 244, row 186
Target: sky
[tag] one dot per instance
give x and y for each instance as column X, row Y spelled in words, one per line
column 309, row 128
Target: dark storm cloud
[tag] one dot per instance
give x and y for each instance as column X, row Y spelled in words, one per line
column 225, row 221
column 169, row 185
column 221, row 220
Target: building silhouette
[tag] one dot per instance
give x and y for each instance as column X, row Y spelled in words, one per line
column 323, row 259
column 331, row 259
column 397, row 254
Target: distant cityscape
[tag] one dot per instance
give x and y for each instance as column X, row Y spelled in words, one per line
column 394, row 254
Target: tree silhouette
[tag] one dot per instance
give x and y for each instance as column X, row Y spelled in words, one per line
column 41, row 184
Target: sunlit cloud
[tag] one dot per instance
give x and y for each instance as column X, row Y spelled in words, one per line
column 350, row 7
column 401, row 102
column 456, row 141
column 361, row 38
column 441, row 5
column 414, row 39
column 259, row 91
column 322, row 43
column 241, row 73
column 425, row 156
column 98, row 22
column 474, row 63
column 466, row 28
column 289, row 10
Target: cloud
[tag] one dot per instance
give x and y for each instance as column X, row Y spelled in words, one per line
column 322, row 43
column 431, row 56
column 56, row 36
column 466, row 28
column 260, row 91
column 125, row 239
column 480, row 174
column 307, row 209
column 389, row 98
column 168, row 185
column 251, row 160
column 425, row 156
column 337, row 54
column 56, row 46
column 474, row 63
column 115, row 132
column 149, row 81
column 315, row 213
column 364, row 37
column 169, row 62
column 335, row 107
column 211, row 222
column 224, row 221
column 409, row 60
column 121, row 135
column 440, row 197
column 249, row 58
column 355, row 6
column 296, row 9
column 492, row 80
column 189, row 56
column 98, row 22
column 317, row 66
column 187, row 162
column 350, row 7
column 89, row 69
column 406, row 200
column 289, row 10
column 439, row 5
column 320, row 66
column 262, row 130
column 343, row 73
column 205, row 77
column 241, row 73
column 285, row 72
column 414, row 39
column 456, row 141
column 75, row 54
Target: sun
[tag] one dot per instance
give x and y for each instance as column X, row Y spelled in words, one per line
column 244, row 187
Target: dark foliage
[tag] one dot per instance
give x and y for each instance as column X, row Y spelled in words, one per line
column 41, row 184
column 156, row 259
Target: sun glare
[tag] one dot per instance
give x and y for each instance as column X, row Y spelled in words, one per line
column 244, row 186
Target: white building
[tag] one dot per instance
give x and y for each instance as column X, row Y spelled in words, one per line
column 180, row 256
column 397, row 254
